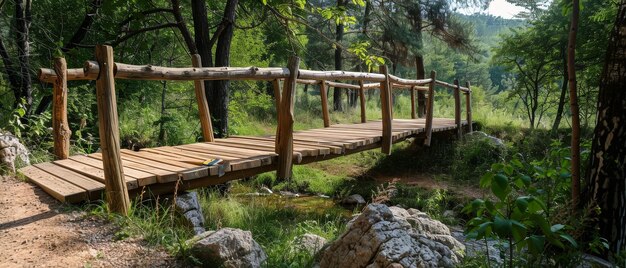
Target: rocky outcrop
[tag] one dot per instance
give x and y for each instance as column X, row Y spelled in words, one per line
column 10, row 150
column 310, row 243
column 227, row 247
column 393, row 237
column 187, row 204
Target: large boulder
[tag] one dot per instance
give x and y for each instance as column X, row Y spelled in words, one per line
column 10, row 150
column 393, row 237
column 227, row 247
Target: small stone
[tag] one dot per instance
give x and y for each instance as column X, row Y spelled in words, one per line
column 355, row 199
column 449, row 214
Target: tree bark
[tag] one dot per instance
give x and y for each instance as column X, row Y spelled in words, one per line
column 182, row 26
column 85, row 26
column 22, row 26
column 561, row 107
column 337, row 105
column 218, row 95
column 606, row 186
column 573, row 97
column 201, row 38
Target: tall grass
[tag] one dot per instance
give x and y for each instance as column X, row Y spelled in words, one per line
column 275, row 224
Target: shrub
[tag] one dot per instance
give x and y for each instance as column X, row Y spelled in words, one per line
column 474, row 154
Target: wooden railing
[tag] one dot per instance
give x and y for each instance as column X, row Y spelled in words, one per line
column 104, row 71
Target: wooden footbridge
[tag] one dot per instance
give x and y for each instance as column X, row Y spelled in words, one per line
column 117, row 174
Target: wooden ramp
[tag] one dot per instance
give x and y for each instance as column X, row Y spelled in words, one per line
column 164, row 169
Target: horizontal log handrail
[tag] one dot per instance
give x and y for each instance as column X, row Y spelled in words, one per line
column 412, row 82
column 340, row 75
column 49, row 75
column 452, row 86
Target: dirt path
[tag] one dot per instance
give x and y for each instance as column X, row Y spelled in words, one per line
column 37, row 230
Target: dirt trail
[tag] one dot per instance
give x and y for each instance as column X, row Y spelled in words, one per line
column 37, row 230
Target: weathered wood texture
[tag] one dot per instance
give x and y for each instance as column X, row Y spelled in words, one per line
column 203, row 106
column 284, row 140
column 385, row 99
column 81, row 178
column 60, row 127
column 468, row 107
column 429, row 108
column 116, row 190
column 324, row 97
column 149, row 72
column 457, row 108
column 362, row 102
column 413, row 108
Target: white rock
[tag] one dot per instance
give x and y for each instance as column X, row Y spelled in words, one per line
column 310, row 243
column 386, row 237
column 227, row 247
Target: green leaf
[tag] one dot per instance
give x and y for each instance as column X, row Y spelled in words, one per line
column 557, row 227
column 521, row 203
column 486, row 179
column 500, row 186
column 536, row 243
column 502, row 227
column 518, row 230
column 569, row 239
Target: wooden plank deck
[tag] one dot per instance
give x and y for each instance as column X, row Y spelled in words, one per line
column 81, row 177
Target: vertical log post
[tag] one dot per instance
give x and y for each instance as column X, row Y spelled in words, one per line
column 385, row 100
column 413, row 112
column 276, row 86
column 284, row 139
column 362, row 102
column 203, row 107
column 324, row 96
column 60, row 127
column 457, row 109
column 429, row 108
column 115, row 186
column 468, row 107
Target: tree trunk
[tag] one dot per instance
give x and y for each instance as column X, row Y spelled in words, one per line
column 573, row 98
column 606, row 186
column 163, row 110
column 338, row 59
column 561, row 107
column 81, row 32
column 218, row 95
column 22, row 26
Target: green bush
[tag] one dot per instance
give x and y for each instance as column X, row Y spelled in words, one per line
column 474, row 154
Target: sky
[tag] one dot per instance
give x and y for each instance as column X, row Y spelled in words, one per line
column 499, row 8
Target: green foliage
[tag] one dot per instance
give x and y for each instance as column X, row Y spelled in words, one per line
column 527, row 195
column 474, row 154
column 274, row 224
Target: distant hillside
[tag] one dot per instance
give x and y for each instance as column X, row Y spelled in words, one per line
column 488, row 27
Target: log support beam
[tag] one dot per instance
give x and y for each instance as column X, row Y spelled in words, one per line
column 115, row 185
column 457, row 109
column 284, row 139
column 429, row 109
column 60, row 127
column 468, row 107
column 324, row 98
column 203, row 107
column 385, row 99
column 362, row 102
